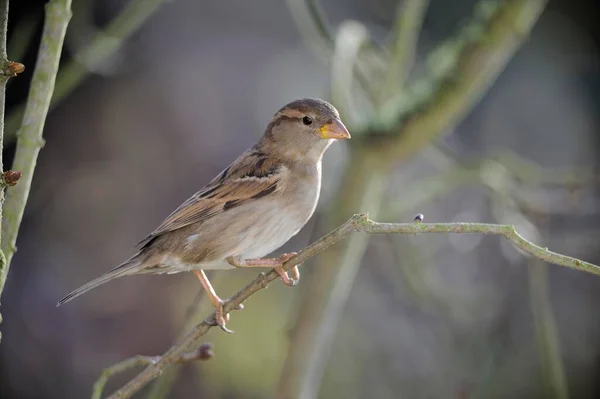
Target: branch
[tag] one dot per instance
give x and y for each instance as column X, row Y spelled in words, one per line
column 314, row 28
column 409, row 19
column 30, row 141
column 350, row 39
column 101, row 47
column 330, row 284
column 9, row 178
column 546, row 332
column 461, row 71
column 3, row 80
column 194, row 314
column 504, row 171
column 358, row 223
column 312, row 25
column 203, row 353
column 3, row 28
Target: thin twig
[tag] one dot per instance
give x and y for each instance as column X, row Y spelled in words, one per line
column 315, row 29
column 30, row 141
column 101, row 48
column 527, row 171
column 350, row 39
column 313, row 25
column 203, row 353
column 524, row 170
column 358, row 223
column 125, row 365
column 194, row 314
column 409, row 19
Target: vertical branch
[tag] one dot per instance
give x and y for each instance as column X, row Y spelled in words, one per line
column 3, row 80
column 464, row 67
column 58, row 14
column 313, row 26
column 351, row 37
column 331, row 281
column 102, row 46
column 546, row 333
column 409, row 20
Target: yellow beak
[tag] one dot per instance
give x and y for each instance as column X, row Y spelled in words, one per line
column 334, row 130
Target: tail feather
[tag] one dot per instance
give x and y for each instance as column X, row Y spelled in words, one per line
column 129, row 267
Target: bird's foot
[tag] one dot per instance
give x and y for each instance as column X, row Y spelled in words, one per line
column 290, row 282
column 275, row 263
column 221, row 318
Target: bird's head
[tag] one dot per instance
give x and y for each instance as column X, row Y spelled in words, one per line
column 303, row 129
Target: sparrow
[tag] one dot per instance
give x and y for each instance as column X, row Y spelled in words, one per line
column 248, row 210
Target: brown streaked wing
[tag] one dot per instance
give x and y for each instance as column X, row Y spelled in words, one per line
column 252, row 176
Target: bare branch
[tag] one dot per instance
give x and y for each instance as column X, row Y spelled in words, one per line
column 101, row 47
column 313, row 25
column 352, row 36
column 546, row 332
column 358, row 223
column 409, row 19
column 204, row 352
column 125, row 365
column 30, row 141
column 3, row 80
column 460, row 72
column 329, row 286
column 194, row 314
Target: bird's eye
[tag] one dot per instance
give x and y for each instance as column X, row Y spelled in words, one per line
column 307, row 120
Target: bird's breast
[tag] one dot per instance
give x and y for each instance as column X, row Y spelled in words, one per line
column 284, row 215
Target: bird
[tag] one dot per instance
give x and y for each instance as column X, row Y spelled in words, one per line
column 248, row 210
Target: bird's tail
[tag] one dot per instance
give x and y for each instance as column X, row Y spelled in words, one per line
column 131, row 266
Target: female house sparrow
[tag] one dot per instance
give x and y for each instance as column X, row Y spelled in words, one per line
column 249, row 210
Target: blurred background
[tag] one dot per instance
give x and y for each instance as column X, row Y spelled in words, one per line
column 429, row 316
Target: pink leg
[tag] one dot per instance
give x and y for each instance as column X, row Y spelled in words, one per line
column 275, row 263
column 217, row 302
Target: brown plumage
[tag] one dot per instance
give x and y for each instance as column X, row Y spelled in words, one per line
column 249, row 209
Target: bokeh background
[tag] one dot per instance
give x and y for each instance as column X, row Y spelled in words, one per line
column 432, row 316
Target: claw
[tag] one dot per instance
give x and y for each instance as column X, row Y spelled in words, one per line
column 222, row 319
column 225, row 329
column 295, row 274
column 284, row 276
column 290, row 282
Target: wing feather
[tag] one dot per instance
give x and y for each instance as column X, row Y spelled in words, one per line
column 251, row 176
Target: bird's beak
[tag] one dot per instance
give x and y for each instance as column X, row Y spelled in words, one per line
column 334, row 130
